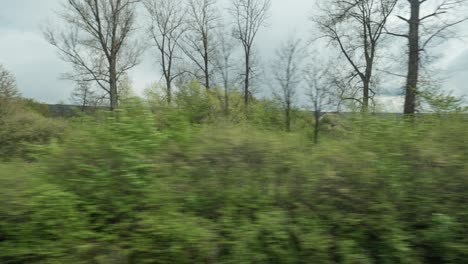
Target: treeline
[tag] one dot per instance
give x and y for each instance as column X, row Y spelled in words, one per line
column 214, row 42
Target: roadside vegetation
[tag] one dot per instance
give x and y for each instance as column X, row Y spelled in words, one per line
column 189, row 184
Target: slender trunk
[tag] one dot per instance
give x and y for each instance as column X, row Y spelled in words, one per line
column 168, row 90
column 226, row 94
column 367, row 78
column 113, row 86
column 413, row 60
column 365, row 98
column 207, row 80
column 207, row 73
column 288, row 116
column 166, row 68
column 316, row 126
column 247, row 77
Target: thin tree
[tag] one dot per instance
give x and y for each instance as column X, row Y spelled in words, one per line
column 166, row 30
column 424, row 29
column 357, row 28
column 85, row 97
column 8, row 94
column 320, row 90
column 287, row 71
column 249, row 17
column 346, row 88
column 224, row 62
column 8, row 89
column 97, row 41
column 199, row 41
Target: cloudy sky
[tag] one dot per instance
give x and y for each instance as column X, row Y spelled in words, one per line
column 37, row 68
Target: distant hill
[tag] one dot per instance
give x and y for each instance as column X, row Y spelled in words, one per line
column 62, row 110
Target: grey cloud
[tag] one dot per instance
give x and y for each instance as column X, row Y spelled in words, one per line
column 458, row 74
column 37, row 67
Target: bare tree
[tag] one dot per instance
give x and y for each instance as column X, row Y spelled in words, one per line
column 249, row 16
column 346, row 88
column 287, row 71
column 424, row 29
column 357, row 28
column 167, row 28
column 86, row 97
column 320, row 92
column 199, row 45
column 224, row 63
column 96, row 41
column 8, row 89
column 8, row 93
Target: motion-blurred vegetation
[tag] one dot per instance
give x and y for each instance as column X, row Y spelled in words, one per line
column 188, row 184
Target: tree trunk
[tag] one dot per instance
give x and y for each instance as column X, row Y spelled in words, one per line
column 413, row 60
column 365, row 99
column 247, row 77
column 316, row 126
column 288, row 116
column 113, row 86
column 168, row 90
column 226, row 92
column 207, row 72
column 367, row 78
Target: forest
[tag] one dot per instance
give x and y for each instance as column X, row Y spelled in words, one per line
column 203, row 168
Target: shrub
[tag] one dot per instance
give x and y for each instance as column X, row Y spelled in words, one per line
column 136, row 191
column 21, row 128
column 39, row 222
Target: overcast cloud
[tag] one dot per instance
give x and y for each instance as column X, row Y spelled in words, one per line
column 37, row 68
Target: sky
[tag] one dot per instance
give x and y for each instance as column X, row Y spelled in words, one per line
column 38, row 69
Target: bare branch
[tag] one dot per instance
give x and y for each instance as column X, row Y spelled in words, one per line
column 421, row 33
column 356, row 28
column 96, row 41
column 166, row 31
column 249, row 17
column 287, row 70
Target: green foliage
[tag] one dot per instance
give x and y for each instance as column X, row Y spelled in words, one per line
column 442, row 103
column 178, row 186
column 39, row 222
column 172, row 237
column 266, row 114
column 22, row 121
column 21, row 127
column 34, row 106
column 196, row 103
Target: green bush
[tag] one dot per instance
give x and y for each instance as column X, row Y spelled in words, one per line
column 21, row 128
column 196, row 103
column 39, row 222
column 141, row 187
